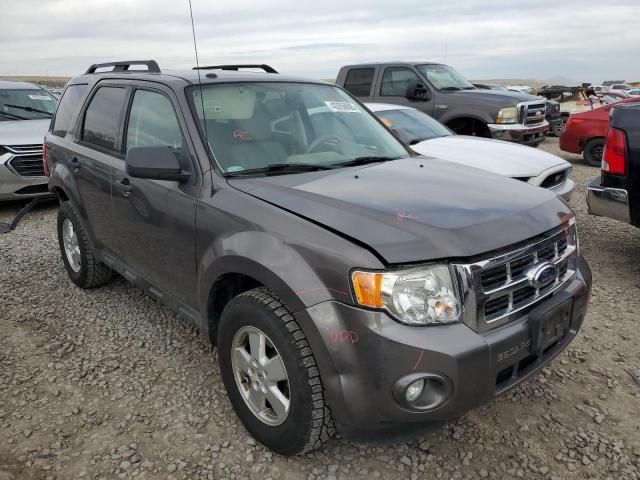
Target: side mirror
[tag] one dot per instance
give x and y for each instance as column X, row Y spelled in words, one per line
column 417, row 92
column 155, row 163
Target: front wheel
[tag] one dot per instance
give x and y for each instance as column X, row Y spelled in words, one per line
column 592, row 152
column 270, row 374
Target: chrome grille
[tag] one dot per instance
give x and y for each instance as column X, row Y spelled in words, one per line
column 497, row 290
column 532, row 113
column 22, row 149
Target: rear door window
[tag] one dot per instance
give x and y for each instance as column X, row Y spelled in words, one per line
column 359, row 81
column 70, row 102
column 103, row 117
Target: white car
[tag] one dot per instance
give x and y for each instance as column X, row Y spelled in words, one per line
column 621, row 88
column 429, row 137
column 634, row 93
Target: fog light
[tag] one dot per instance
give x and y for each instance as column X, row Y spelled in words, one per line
column 414, row 390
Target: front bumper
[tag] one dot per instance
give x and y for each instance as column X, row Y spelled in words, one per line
column 608, row 202
column 519, row 133
column 360, row 368
column 565, row 189
column 17, row 187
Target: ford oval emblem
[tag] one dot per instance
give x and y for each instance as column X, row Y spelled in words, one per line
column 543, row 275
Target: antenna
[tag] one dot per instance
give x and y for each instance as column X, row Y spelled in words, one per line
column 195, row 47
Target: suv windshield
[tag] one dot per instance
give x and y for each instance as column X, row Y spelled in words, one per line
column 412, row 125
column 270, row 126
column 26, row 104
column 443, row 77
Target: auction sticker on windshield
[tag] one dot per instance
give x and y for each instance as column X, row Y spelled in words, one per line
column 39, row 97
column 342, row 107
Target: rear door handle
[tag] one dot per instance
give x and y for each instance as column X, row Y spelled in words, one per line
column 124, row 186
column 76, row 164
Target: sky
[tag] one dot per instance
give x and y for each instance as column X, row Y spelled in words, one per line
column 585, row 40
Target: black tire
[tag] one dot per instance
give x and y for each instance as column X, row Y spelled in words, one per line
column 309, row 422
column 592, row 152
column 92, row 273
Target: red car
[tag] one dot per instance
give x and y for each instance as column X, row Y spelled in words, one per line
column 585, row 133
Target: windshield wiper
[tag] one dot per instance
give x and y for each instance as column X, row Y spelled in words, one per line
column 364, row 161
column 280, row 168
column 450, row 88
column 29, row 109
column 415, row 141
column 17, row 117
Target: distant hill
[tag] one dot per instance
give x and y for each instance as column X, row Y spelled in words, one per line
column 40, row 80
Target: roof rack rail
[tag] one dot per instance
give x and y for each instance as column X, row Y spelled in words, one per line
column 123, row 66
column 264, row 66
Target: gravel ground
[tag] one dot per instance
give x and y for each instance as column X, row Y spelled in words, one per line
column 109, row 384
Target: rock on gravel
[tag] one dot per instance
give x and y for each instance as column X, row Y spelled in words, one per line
column 107, row 383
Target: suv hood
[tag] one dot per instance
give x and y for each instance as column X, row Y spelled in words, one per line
column 23, row 132
column 406, row 212
column 497, row 156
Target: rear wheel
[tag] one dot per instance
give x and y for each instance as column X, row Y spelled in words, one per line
column 270, row 374
column 77, row 253
column 592, row 152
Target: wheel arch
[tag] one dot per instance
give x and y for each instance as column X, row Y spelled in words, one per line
column 468, row 118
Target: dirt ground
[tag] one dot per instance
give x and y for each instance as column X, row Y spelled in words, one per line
column 108, row 383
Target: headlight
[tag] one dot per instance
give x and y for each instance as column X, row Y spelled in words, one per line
column 417, row 296
column 507, row 115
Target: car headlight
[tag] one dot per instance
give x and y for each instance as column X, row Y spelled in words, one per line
column 507, row 115
column 417, row 296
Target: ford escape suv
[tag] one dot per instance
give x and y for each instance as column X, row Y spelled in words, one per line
column 346, row 281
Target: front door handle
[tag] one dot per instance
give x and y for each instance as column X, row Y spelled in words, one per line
column 75, row 163
column 124, row 186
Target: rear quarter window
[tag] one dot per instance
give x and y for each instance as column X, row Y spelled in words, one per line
column 359, row 81
column 70, row 102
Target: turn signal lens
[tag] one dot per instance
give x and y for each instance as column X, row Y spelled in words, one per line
column 368, row 288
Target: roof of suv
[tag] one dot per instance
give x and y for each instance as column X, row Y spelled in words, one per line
column 368, row 64
column 191, row 76
column 17, row 85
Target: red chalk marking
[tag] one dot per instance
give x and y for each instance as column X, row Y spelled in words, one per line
column 410, row 216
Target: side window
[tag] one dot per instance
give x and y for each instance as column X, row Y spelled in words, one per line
column 359, row 81
column 152, row 122
column 395, row 81
column 102, row 120
column 69, row 104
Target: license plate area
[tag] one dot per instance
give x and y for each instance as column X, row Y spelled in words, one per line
column 550, row 326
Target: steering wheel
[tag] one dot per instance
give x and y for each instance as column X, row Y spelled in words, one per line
column 329, row 139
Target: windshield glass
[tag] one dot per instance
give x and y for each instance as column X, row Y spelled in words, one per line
column 443, row 77
column 26, row 104
column 413, row 125
column 256, row 125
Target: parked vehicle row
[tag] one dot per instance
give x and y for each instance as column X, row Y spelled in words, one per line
column 274, row 211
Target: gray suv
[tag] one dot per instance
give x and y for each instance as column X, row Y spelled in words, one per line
column 25, row 114
column 346, row 281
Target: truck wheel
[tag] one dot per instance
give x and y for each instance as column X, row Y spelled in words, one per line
column 270, row 374
column 77, row 253
column 592, row 152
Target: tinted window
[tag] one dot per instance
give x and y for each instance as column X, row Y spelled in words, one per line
column 415, row 126
column 102, row 120
column 395, row 81
column 359, row 81
column 152, row 122
column 70, row 102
